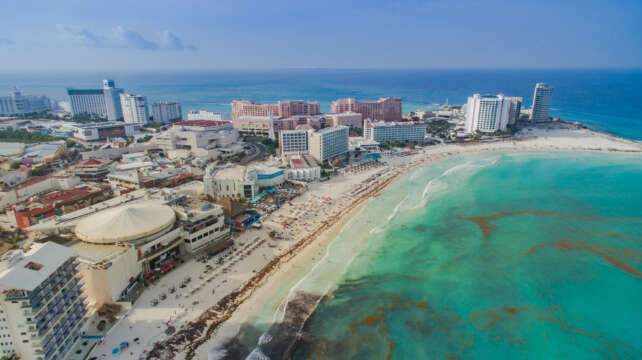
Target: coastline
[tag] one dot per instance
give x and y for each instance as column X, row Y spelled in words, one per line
column 222, row 321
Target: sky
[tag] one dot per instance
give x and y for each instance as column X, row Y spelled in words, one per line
column 220, row 34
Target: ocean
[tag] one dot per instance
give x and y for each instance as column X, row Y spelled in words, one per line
column 513, row 256
column 486, row 256
column 607, row 100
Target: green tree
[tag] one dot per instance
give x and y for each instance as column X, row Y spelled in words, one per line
column 23, row 136
column 88, row 118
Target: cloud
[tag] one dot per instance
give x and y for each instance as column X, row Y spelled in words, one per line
column 171, row 41
column 131, row 39
column 79, row 36
column 120, row 37
column 6, row 42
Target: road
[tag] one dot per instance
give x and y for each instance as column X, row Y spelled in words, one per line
column 253, row 151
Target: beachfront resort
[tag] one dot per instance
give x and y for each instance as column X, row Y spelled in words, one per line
column 146, row 234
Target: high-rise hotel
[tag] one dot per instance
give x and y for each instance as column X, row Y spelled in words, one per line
column 329, row 143
column 42, row 307
column 164, row 112
column 134, row 108
column 103, row 102
column 487, row 113
column 542, row 97
column 17, row 103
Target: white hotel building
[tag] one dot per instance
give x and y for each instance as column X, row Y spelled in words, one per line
column 487, row 113
column 87, row 101
column 134, row 108
column 329, row 143
column 383, row 132
column 103, row 102
column 542, row 97
column 164, row 112
column 42, row 307
column 17, row 103
column 293, row 142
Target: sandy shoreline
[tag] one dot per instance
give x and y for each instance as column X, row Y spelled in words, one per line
column 213, row 310
column 539, row 141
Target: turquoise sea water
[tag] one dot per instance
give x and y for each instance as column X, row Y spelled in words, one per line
column 521, row 256
column 608, row 100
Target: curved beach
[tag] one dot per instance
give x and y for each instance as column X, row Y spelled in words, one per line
column 222, row 321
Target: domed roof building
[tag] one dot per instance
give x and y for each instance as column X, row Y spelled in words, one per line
column 137, row 237
column 127, row 223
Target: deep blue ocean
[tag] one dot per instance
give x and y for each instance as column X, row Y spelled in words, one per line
column 607, row 100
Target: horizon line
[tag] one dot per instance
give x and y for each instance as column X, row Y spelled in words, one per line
column 178, row 69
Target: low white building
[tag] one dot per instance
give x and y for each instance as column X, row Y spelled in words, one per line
column 203, row 225
column 363, row 144
column 255, row 126
column 267, row 175
column 240, row 182
column 108, row 271
column 201, row 138
column 35, row 186
column 303, row 168
column 204, row 115
column 230, row 181
column 103, row 130
column 388, row 131
column 329, row 143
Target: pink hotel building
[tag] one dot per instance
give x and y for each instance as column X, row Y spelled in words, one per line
column 281, row 109
column 384, row 109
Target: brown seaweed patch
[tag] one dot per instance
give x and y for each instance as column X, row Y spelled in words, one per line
column 372, row 320
column 498, row 320
column 490, row 318
column 422, row 305
column 390, row 349
column 442, row 328
column 487, row 227
column 514, row 309
column 611, row 255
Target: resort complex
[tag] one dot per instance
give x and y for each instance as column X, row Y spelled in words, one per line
column 137, row 230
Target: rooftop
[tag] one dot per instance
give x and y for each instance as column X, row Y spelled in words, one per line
column 72, row 218
column 104, row 124
column 35, row 266
column 331, row 129
column 125, row 223
column 54, row 198
column 87, row 253
column 231, row 172
column 93, row 162
column 202, row 123
column 305, row 161
column 32, row 180
column 395, row 123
